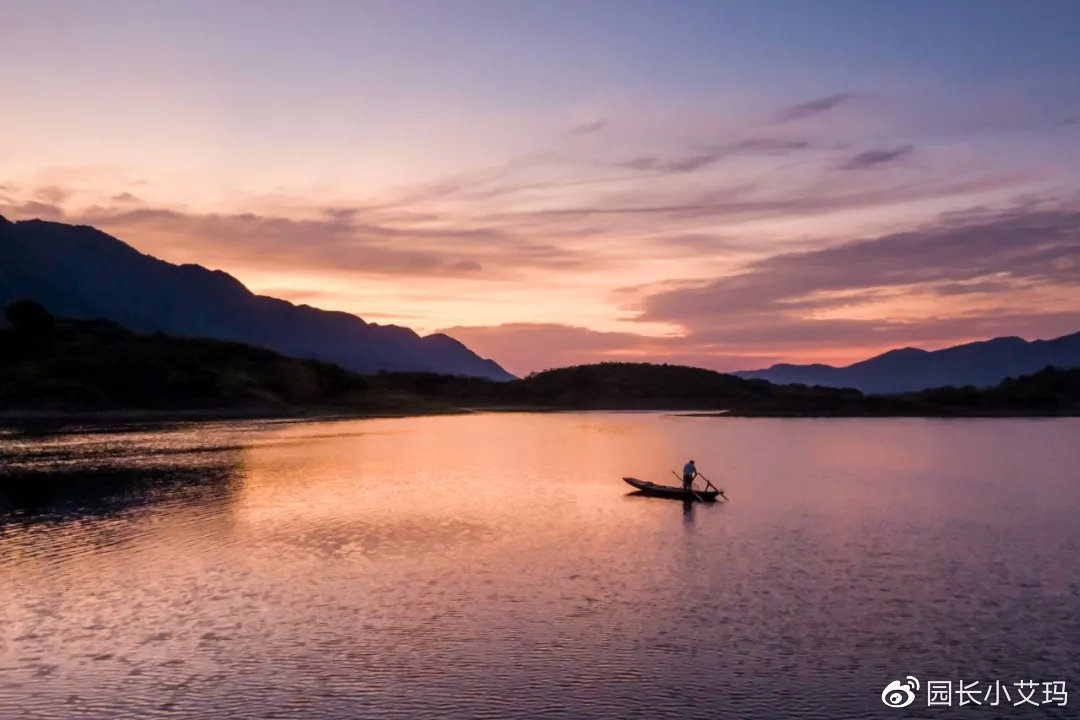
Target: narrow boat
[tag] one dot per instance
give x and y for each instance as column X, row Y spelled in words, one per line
column 671, row 491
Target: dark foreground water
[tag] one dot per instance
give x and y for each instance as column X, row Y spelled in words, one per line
column 494, row 566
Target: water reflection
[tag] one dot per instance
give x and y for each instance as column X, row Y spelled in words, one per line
column 75, row 493
column 687, row 505
column 492, row 566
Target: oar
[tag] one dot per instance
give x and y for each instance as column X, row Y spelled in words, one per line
column 708, row 483
column 692, row 491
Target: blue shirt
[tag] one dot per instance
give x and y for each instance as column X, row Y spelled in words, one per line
column 689, row 469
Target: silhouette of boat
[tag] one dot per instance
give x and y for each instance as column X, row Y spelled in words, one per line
column 671, row 491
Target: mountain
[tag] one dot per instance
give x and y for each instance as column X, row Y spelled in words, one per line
column 52, row 364
column 81, row 272
column 631, row 386
column 981, row 364
column 642, row 386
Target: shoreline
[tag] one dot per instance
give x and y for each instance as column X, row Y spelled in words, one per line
column 24, row 419
column 943, row 415
column 21, row 419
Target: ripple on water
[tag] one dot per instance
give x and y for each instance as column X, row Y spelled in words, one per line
column 491, row 566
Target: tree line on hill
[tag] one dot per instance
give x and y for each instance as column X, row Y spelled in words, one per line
column 50, row 364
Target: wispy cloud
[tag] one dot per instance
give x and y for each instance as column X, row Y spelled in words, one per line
column 875, row 158
column 733, row 198
column 52, row 194
column 813, row 107
column 689, row 163
column 747, row 201
column 751, row 345
column 770, row 145
column 1041, row 246
column 341, row 240
column 589, row 128
column 31, row 209
column 516, row 344
column 708, row 156
column 1033, row 254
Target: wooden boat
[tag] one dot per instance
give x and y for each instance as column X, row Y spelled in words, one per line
column 671, row 491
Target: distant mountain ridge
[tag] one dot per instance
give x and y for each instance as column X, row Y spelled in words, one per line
column 82, row 272
column 981, row 364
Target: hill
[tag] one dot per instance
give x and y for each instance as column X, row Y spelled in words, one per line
column 59, row 365
column 80, row 272
column 981, row 364
column 633, row 386
column 643, row 386
column 63, row 365
column 51, row 364
column 1050, row 391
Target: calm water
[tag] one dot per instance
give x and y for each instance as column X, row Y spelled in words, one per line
column 494, row 566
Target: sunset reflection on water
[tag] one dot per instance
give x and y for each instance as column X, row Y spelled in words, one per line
column 495, row 565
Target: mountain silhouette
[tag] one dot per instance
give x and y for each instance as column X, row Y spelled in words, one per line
column 81, row 272
column 981, row 364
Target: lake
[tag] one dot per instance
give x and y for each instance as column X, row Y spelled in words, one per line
column 495, row 566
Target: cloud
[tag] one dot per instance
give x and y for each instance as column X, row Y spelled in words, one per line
column 974, row 270
column 633, row 195
column 31, row 209
column 1024, row 254
column 760, row 146
column 770, row 146
column 968, row 287
column 700, row 243
column 751, row 201
column 1036, row 245
column 689, row 163
column 52, row 194
column 529, row 347
column 874, row 158
column 467, row 266
column 813, row 107
column 589, row 128
column 341, row 239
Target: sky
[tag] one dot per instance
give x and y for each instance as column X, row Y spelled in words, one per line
column 722, row 184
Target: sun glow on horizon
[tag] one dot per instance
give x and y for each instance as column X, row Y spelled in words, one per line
column 646, row 192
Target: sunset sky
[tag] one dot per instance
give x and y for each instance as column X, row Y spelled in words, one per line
column 724, row 184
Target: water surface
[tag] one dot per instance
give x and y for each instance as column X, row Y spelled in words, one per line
column 494, row 565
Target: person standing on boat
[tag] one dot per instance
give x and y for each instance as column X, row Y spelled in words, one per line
column 689, row 472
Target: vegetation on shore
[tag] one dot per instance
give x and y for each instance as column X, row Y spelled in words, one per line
column 57, row 365
column 641, row 386
column 51, row 365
